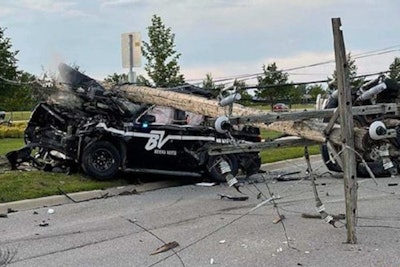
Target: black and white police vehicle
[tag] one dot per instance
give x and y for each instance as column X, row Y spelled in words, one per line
column 101, row 132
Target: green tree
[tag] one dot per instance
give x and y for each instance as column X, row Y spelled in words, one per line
column 245, row 96
column 209, row 85
column 208, row 82
column 297, row 93
column 315, row 90
column 162, row 58
column 273, row 85
column 142, row 81
column 394, row 69
column 352, row 67
column 116, row 78
column 8, row 70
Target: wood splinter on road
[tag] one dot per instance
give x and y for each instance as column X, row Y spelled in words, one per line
column 278, row 219
column 166, row 247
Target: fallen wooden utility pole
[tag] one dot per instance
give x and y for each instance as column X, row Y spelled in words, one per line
column 297, row 126
column 192, row 103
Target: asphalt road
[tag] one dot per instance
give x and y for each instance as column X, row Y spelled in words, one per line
column 125, row 230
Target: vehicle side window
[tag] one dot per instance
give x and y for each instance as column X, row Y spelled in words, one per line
column 163, row 115
column 194, row 118
column 167, row 115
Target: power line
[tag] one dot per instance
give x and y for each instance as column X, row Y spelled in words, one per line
column 308, row 82
column 244, row 77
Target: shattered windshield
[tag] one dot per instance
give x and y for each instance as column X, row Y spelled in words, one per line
column 75, row 79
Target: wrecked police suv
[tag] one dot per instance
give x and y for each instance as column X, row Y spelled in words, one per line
column 101, row 132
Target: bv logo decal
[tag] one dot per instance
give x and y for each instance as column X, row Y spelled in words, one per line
column 156, row 140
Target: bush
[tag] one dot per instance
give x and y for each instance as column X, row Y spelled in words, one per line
column 15, row 130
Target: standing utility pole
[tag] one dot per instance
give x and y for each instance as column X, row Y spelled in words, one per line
column 347, row 131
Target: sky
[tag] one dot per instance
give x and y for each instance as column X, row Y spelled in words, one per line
column 227, row 38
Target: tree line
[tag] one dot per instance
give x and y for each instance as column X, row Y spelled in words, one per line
column 19, row 91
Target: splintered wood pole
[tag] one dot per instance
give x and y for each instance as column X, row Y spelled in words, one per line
column 347, row 131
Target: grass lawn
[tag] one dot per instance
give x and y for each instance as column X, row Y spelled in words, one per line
column 283, row 153
column 18, row 115
column 17, row 185
column 9, row 144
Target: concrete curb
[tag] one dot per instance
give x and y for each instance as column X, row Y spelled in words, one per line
column 49, row 201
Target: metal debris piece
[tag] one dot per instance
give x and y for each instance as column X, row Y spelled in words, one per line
column 318, row 216
column 240, row 198
column 166, row 247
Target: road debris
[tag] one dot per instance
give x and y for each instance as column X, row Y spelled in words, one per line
column 284, row 177
column 278, row 219
column 10, row 210
column 43, row 224
column 65, row 194
column 206, row 184
column 128, row 192
column 212, row 261
column 166, row 247
column 326, row 217
column 50, row 211
column 3, row 215
column 239, row 198
column 318, row 216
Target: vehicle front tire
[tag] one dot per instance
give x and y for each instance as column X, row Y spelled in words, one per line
column 328, row 157
column 214, row 169
column 101, row 160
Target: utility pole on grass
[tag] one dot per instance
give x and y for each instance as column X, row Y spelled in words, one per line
column 347, row 131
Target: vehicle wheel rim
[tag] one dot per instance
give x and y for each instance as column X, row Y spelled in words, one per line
column 102, row 160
